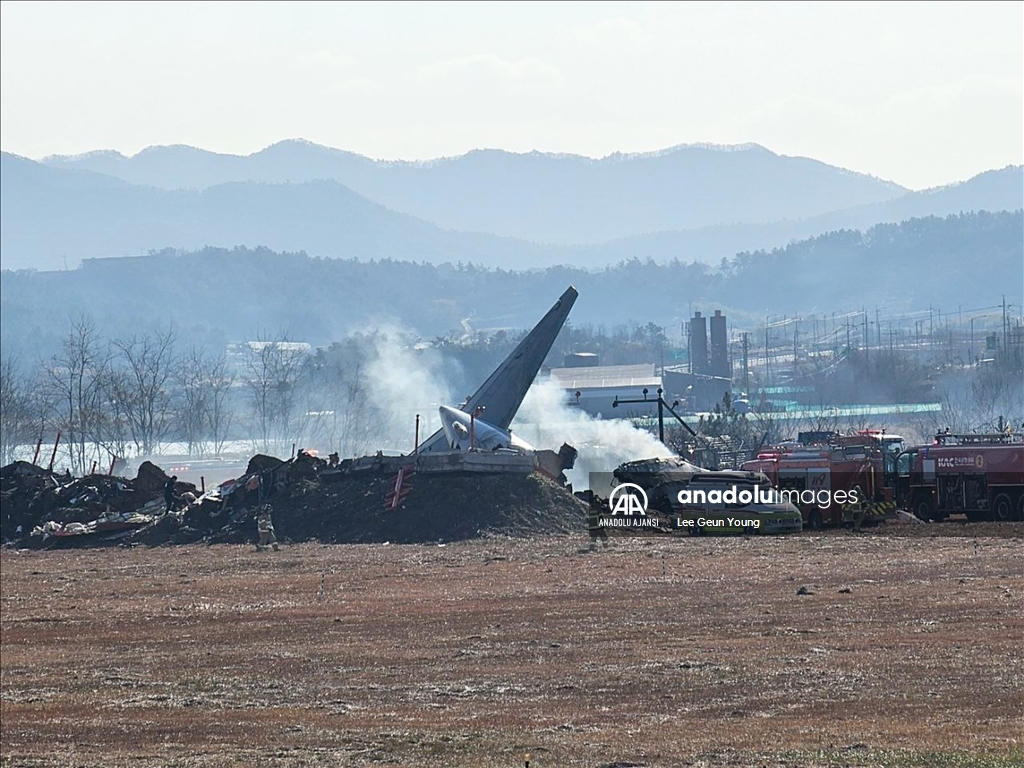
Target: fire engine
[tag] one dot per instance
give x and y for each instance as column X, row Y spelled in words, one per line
column 821, row 471
column 981, row 476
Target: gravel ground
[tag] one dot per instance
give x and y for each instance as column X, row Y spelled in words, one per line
column 900, row 646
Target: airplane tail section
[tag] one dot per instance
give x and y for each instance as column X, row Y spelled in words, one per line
column 503, row 392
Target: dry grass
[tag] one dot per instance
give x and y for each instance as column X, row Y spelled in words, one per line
column 680, row 652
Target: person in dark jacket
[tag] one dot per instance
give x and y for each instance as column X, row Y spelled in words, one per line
column 169, row 496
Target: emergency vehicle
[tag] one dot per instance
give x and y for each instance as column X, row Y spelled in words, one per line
column 981, row 476
column 835, row 479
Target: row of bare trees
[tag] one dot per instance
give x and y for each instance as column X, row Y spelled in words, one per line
column 988, row 399
column 131, row 396
column 106, row 397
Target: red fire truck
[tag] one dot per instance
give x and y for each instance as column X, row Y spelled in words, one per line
column 820, row 472
column 981, row 476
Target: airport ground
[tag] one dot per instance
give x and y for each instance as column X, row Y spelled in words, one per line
column 900, row 646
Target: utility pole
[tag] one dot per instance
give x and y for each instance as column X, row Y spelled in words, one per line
column 767, row 357
column 866, row 338
column 796, row 333
column 1005, row 327
column 689, row 356
column 746, row 367
column 662, row 407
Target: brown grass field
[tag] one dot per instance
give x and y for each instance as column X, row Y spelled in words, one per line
column 908, row 651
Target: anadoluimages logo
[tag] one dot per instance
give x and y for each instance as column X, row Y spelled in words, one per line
column 628, row 499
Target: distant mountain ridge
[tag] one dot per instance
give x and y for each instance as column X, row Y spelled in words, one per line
column 998, row 190
column 52, row 216
column 544, row 198
column 49, row 215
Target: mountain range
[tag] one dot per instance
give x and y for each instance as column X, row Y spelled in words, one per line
column 488, row 207
column 544, row 198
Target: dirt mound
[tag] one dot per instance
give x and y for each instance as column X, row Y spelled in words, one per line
column 314, row 501
column 311, row 501
column 348, row 508
column 438, row 507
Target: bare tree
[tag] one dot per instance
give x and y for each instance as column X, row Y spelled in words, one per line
column 16, row 408
column 340, row 398
column 957, row 413
column 74, row 384
column 193, row 401
column 149, row 363
column 999, row 397
column 274, row 370
column 219, row 415
column 823, row 420
column 767, row 427
column 260, row 381
column 112, row 431
column 318, row 403
column 355, row 433
column 203, row 415
column 975, row 400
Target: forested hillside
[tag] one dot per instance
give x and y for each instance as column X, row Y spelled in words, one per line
column 959, row 261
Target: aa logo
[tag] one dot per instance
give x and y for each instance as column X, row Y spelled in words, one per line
column 628, row 499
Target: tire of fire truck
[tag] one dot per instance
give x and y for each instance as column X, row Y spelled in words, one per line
column 1020, row 508
column 924, row 509
column 1002, row 508
column 814, row 521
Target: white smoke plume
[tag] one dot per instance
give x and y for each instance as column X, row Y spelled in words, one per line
column 546, row 420
column 406, row 381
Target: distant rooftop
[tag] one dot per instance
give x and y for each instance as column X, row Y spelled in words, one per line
column 284, row 346
column 606, row 376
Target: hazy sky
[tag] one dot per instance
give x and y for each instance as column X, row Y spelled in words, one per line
column 921, row 93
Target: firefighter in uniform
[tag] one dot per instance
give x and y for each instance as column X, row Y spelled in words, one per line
column 597, row 531
column 858, row 508
column 265, row 526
